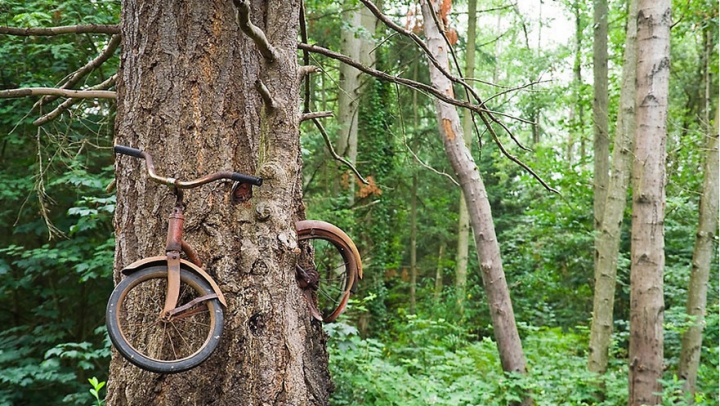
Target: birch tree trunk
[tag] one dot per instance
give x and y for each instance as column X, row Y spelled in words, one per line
column 461, row 263
column 648, row 245
column 494, row 283
column 700, row 273
column 187, row 94
column 607, row 241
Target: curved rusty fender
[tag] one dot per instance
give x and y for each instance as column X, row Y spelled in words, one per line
column 312, row 225
column 162, row 259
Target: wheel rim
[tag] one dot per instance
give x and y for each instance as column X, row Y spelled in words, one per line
column 149, row 335
column 331, row 261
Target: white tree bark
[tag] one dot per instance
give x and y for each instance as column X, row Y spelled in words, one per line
column 648, row 245
column 607, row 241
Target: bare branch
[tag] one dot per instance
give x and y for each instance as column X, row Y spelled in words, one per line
column 334, row 154
column 314, row 115
column 89, row 67
column 391, row 78
column 252, row 31
column 69, row 29
column 307, row 69
column 40, row 91
column 428, row 167
column 265, row 94
column 70, row 102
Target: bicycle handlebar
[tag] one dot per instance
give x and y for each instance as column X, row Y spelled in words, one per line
column 236, row 176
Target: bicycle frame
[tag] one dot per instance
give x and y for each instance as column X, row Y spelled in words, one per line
column 181, row 330
column 175, row 243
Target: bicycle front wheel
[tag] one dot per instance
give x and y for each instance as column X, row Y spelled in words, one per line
column 325, row 249
column 160, row 344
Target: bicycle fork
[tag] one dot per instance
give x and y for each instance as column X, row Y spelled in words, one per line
column 175, row 245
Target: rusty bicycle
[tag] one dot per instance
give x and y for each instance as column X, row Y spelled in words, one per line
column 166, row 314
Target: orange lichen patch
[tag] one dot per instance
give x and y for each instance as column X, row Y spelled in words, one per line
column 447, row 127
column 452, row 36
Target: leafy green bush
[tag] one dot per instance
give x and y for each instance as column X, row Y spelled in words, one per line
column 434, row 362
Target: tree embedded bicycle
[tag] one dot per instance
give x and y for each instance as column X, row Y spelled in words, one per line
column 166, row 314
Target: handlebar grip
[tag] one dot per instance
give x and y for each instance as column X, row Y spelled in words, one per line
column 242, row 178
column 121, row 149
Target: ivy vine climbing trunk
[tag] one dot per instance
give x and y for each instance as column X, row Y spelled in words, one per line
column 648, row 244
column 188, row 94
column 488, row 249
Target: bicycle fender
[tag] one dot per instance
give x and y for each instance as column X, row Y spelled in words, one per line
column 162, row 259
column 313, row 225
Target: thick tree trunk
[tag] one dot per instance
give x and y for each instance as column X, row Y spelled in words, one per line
column 700, row 273
column 648, row 245
column 461, row 263
column 187, row 94
column 494, row 283
column 607, row 241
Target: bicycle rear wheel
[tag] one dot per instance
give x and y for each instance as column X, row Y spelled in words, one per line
column 164, row 344
column 326, row 251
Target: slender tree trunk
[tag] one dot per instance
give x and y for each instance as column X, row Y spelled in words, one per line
column 413, row 243
column 578, row 110
column 607, row 241
column 494, row 283
column 439, row 273
column 601, row 147
column 354, row 43
column 700, row 273
column 187, row 95
column 348, row 96
column 648, row 245
column 461, row 263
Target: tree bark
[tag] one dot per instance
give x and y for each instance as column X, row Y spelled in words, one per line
column 461, row 262
column 700, row 273
column 607, row 241
column 494, row 283
column 648, row 245
column 601, row 144
column 187, row 95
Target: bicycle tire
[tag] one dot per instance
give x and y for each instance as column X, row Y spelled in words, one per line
column 146, row 340
column 337, row 263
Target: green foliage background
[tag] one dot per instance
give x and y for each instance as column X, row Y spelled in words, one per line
column 56, row 254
